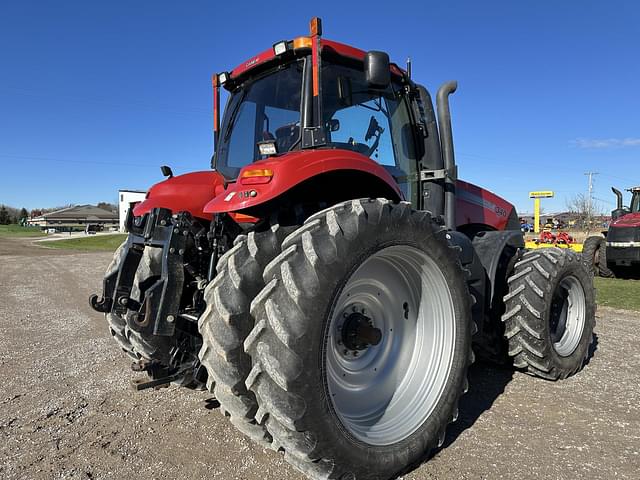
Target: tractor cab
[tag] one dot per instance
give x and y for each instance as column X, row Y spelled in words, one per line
column 315, row 94
column 634, row 206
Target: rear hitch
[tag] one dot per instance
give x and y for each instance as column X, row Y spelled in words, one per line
column 103, row 305
column 160, row 375
column 142, row 384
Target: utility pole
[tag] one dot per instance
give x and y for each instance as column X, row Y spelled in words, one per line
column 590, row 197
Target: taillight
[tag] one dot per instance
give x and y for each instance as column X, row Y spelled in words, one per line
column 256, row 176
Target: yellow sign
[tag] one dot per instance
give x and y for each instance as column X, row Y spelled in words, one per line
column 542, row 194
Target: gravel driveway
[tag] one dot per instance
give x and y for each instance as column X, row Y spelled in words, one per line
column 66, row 409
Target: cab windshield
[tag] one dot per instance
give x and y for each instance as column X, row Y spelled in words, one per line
column 263, row 108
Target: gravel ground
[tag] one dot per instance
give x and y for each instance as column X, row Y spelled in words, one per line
column 66, row 410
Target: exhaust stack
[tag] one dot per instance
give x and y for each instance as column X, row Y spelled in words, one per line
column 619, row 195
column 446, row 141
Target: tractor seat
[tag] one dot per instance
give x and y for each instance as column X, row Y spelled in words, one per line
column 286, row 137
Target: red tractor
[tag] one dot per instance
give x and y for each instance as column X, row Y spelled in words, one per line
column 618, row 252
column 327, row 278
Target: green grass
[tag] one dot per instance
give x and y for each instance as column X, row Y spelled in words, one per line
column 18, row 231
column 618, row 293
column 89, row 243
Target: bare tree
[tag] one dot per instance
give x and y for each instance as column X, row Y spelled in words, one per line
column 584, row 210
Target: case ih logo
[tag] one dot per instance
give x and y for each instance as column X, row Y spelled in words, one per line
column 251, row 62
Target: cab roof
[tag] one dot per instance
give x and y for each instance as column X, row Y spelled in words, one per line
column 338, row 48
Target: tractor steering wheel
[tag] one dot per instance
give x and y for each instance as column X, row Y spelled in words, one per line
column 374, row 130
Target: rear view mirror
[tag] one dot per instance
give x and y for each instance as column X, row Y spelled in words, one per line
column 376, row 69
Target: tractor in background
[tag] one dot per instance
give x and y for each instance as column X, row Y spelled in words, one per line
column 617, row 252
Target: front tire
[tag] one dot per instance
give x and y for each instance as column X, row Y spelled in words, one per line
column 550, row 313
column 138, row 346
column 134, row 344
column 341, row 405
column 594, row 255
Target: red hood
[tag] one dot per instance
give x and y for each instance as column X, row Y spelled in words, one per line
column 628, row 220
column 189, row 192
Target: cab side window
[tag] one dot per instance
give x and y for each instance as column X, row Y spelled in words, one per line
column 373, row 122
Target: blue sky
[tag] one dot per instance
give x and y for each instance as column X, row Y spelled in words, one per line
column 95, row 96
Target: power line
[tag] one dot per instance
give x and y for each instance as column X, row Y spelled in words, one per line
column 129, row 104
column 83, row 162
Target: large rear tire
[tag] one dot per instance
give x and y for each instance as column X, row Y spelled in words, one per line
column 339, row 404
column 550, row 313
column 227, row 321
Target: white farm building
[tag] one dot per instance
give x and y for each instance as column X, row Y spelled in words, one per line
column 126, row 197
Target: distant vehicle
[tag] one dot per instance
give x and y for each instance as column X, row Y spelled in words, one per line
column 51, row 230
column 617, row 254
column 93, row 229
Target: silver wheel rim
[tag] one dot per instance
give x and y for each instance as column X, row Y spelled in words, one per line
column 570, row 324
column 385, row 392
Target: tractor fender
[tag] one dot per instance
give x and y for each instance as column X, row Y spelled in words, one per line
column 184, row 193
column 494, row 249
column 476, row 276
column 285, row 172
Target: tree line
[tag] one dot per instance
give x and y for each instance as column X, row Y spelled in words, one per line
column 9, row 215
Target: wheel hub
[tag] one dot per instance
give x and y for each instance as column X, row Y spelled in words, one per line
column 357, row 332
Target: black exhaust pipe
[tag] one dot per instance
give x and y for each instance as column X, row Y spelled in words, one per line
column 619, row 195
column 446, row 142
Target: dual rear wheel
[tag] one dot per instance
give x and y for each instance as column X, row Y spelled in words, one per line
column 360, row 341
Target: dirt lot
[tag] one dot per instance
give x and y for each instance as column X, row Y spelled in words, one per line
column 66, row 410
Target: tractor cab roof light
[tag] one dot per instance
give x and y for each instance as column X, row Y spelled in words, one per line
column 302, row 42
column 223, row 77
column 280, row 47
